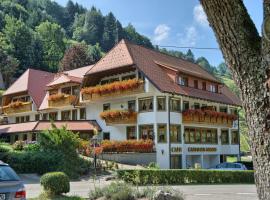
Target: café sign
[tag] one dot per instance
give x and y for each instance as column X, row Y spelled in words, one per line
column 202, row 149
column 176, row 149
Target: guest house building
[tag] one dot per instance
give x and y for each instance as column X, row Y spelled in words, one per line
column 131, row 93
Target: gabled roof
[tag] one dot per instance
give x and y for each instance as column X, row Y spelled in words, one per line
column 64, row 78
column 80, row 72
column 151, row 62
column 33, row 82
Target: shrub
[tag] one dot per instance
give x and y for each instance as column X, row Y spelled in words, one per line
column 179, row 176
column 118, row 191
column 18, row 145
column 96, row 193
column 55, row 183
column 5, row 147
column 31, row 147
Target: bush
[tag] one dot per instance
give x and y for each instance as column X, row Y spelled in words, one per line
column 179, row 176
column 31, row 147
column 5, row 147
column 55, row 183
column 18, row 145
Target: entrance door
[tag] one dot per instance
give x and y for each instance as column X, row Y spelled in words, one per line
column 176, row 161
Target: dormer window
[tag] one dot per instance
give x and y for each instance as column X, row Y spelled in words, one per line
column 183, row 81
column 213, row 88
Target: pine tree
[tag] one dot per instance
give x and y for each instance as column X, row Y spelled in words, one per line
column 109, row 33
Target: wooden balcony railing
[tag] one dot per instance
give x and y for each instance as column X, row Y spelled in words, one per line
column 199, row 116
column 61, row 100
column 118, row 88
column 17, row 107
column 114, row 117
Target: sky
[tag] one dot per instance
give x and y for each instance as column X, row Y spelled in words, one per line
column 180, row 23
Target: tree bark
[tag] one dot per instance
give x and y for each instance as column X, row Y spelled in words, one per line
column 248, row 56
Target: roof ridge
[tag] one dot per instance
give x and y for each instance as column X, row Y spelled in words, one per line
column 122, row 41
column 156, row 51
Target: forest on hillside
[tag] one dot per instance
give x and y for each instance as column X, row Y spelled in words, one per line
column 41, row 34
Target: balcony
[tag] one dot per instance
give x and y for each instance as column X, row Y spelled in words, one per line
column 61, row 100
column 115, row 89
column 117, row 117
column 17, row 107
column 199, row 116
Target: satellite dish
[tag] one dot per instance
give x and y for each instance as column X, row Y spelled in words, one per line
column 266, row 28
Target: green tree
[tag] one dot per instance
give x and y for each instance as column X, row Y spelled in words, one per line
column 53, row 42
column 13, row 9
column 223, row 70
column 20, row 39
column 8, row 67
column 109, row 33
column 94, row 52
column 190, row 56
column 203, row 62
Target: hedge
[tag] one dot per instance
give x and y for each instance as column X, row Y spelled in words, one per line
column 182, row 176
column 55, row 183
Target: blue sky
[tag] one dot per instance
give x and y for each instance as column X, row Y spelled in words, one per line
column 170, row 22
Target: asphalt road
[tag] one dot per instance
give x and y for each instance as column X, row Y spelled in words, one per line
column 191, row 192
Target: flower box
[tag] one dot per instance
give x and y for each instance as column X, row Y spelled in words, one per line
column 119, row 117
column 17, row 107
column 60, row 100
column 126, row 87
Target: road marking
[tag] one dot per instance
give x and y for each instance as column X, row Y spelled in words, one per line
column 242, row 193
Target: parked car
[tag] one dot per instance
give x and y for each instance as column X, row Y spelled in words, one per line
column 248, row 164
column 230, row 166
column 11, row 186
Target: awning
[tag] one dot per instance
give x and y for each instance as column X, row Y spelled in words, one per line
column 87, row 125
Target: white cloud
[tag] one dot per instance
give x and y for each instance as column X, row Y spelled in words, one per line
column 190, row 36
column 199, row 15
column 161, row 32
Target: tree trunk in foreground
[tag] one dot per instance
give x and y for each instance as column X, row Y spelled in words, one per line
column 247, row 55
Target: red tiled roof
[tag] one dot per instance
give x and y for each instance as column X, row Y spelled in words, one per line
column 71, row 125
column 80, row 72
column 44, row 125
column 149, row 62
column 18, row 128
column 32, row 81
column 64, row 78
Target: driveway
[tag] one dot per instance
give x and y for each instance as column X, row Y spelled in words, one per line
column 191, row 192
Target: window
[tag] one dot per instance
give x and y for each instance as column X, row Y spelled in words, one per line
column 75, row 90
column 203, row 85
column 65, row 115
column 34, row 137
column 37, row 117
column 106, row 106
column 74, row 115
column 200, row 136
column 131, row 76
column 175, row 133
column 224, row 136
column 204, row 106
column 162, row 133
column 132, row 105
column 53, row 116
column 131, row 133
column 16, row 138
column 103, row 82
column 214, row 88
column 146, row 132
column 161, row 103
column 82, row 113
column 106, row 136
column 223, row 109
column 45, row 116
column 146, row 104
column 22, row 119
column 17, row 119
column 197, row 106
column 183, row 81
column 24, row 137
column 27, row 118
column 52, row 92
column 185, row 105
column 196, row 84
column 23, row 99
column 235, row 138
column 66, row 90
column 175, row 105
column 234, row 111
column 176, row 162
